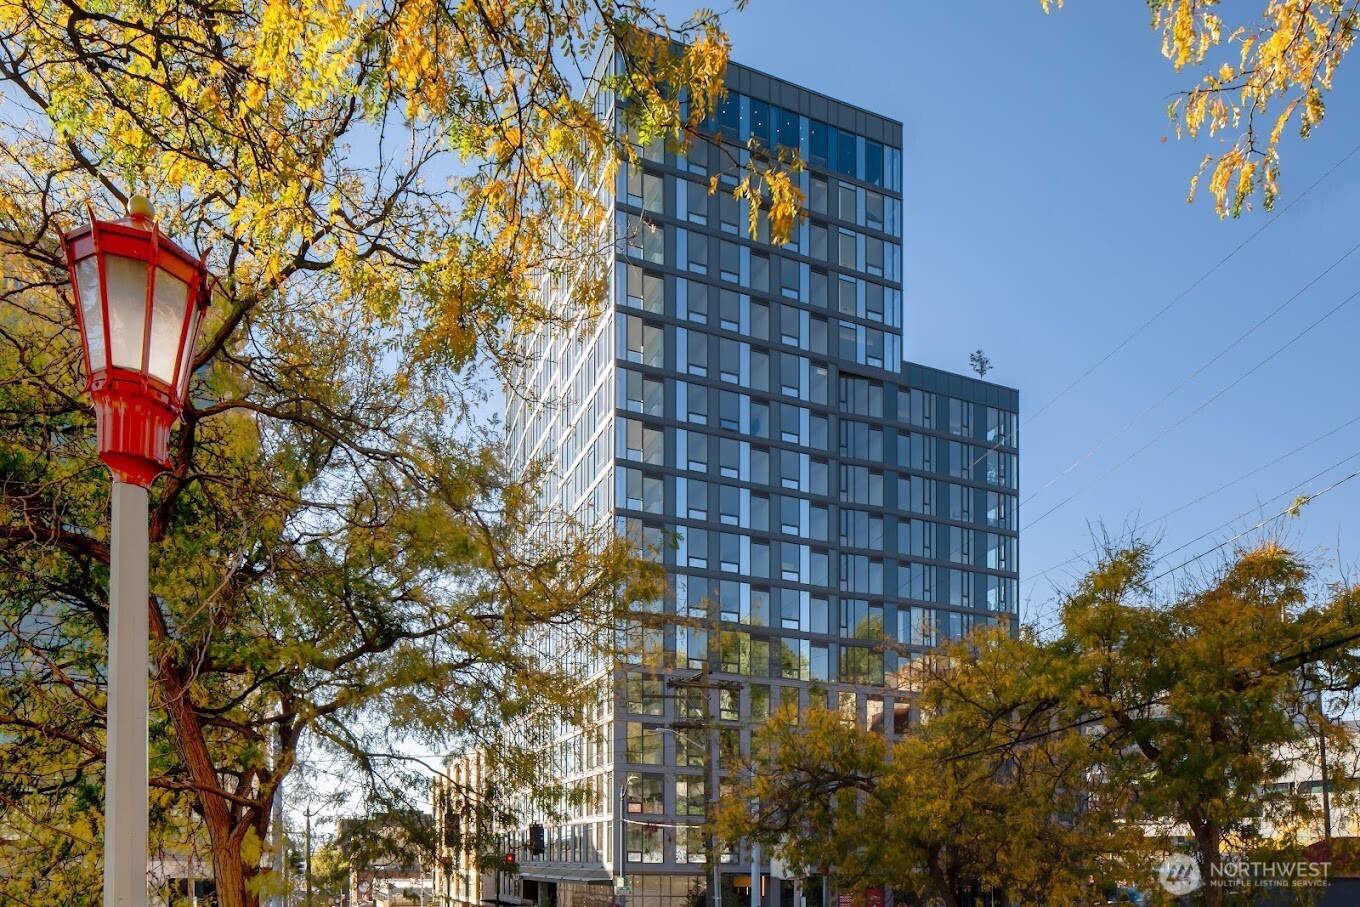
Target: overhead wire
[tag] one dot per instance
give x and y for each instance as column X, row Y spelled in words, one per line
column 1194, row 412
column 1208, row 494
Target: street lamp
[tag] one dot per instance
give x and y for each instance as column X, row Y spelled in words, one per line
column 139, row 302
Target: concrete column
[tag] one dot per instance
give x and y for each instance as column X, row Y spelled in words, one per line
column 126, row 794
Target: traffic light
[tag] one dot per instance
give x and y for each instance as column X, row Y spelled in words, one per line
column 510, row 860
column 537, row 840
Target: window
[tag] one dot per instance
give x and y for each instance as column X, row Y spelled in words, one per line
column 646, row 695
column 860, row 529
column 645, row 189
column 729, row 213
column 915, row 581
column 690, row 749
column 760, row 701
column 845, row 208
column 1000, row 510
column 643, row 239
column 861, row 665
column 729, row 260
column 860, row 440
column 640, row 394
column 861, row 619
column 689, row 796
column 861, row 485
column 960, row 417
column 644, row 290
column 692, row 351
column 639, row 491
column 1000, row 427
column 760, row 272
column 817, row 195
column 641, row 341
column 692, row 250
column 919, row 408
column 916, row 494
column 846, row 250
column 960, row 503
column 693, row 296
column 691, row 450
column 643, row 843
column 873, row 210
column 692, row 201
column 644, row 744
column 645, row 794
column 689, row 844
column 861, row 573
column 817, row 246
column 861, row 396
column 691, row 402
column 790, row 278
column 641, row 442
column 695, row 495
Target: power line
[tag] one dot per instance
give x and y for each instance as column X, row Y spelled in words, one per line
column 1226, row 485
column 1282, row 513
column 1197, row 372
column 1220, row 263
column 1277, row 351
column 1177, row 299
column 1286, row 511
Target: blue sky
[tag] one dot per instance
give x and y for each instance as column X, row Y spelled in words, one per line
column 1045, row 221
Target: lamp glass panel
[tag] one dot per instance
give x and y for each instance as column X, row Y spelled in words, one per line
column 126, row 291
column 187, row 355
column 167, row 322
column 87, row 286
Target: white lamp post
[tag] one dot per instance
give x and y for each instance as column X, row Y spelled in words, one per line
column 140, row 302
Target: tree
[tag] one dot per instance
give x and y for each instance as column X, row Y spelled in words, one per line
column 341, row 556
column 971, row 799
column 1257, row 76
column 1038, row 768
column 1202, row 702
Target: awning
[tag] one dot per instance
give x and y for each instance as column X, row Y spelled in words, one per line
column 540, row 873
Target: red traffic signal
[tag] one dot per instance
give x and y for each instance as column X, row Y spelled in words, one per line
column 510, row 859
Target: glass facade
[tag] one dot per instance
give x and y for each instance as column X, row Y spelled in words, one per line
column 742, row 409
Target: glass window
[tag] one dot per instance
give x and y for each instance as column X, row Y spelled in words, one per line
column 817, row 195
column 696, row 301
column 643, row 843
column 845, row 205
column 819, row 142
column 644, row 744
column 689, row 795
column 645, row 794
column 646, row 695
column 689, row 844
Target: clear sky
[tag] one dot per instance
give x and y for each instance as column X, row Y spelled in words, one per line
column 1045, row 221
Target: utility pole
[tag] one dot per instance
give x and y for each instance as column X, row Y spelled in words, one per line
column 308, row 868
column 1322, row 752
column 703, row 680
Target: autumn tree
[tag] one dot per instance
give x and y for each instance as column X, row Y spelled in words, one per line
column 1258, row 76
column 986, row 791
column 1202, row 701
column 1040, row 767
column 341, row 557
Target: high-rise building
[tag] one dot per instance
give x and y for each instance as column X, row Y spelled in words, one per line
column 750, row 402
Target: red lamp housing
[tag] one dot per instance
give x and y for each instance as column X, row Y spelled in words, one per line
column 140, row 303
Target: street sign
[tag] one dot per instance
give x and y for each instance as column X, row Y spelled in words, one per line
column 621, row 884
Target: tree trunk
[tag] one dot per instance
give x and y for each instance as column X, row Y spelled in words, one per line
column 224, row 835
column 1209, row 843
column 945, row 883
